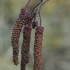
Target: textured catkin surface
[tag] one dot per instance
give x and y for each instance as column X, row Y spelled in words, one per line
column 25, row 46
column 38, row 48
column 24, row 17
column 15, row 40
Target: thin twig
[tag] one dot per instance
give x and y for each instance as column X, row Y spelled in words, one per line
column 43, row 3
column 40, row 19
column 38, row 12
column 35, row 6
column 38, row 4
column 27, row 4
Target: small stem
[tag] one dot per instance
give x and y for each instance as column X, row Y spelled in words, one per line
column 34, row 8
column 37, row 9
column 38, row 12
column 40, row 19
column 41, row 5
column 27, row 4
column 44, row 2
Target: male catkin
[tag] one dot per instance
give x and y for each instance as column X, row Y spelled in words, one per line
column 23, row 19
column 25, row 49
column 38, row 48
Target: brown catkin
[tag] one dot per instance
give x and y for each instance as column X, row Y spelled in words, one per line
column 25, row 46
column 38, row 48
column 15, row 40
column 24, row 18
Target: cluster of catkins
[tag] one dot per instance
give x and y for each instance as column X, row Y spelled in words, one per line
column 25, row 21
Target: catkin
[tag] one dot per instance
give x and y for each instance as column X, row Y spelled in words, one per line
column 15, row 41
column 25, row 46
column 38, row 48
column 24, row 18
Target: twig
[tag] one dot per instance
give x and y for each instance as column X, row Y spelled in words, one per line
column 27, row 4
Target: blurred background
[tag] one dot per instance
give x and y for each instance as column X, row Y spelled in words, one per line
column 56, row 39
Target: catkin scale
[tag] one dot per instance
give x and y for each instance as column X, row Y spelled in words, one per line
column 38, row 48
column 23, row 19
column 25, row 46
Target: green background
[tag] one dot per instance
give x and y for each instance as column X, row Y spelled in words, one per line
column 56, row 39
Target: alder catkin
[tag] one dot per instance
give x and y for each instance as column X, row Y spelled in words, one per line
column 15, row 43
column 38, row 48
column 25, row 46
column 24, row 18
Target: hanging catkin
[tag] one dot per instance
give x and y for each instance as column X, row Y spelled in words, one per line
column 24, row 18
column 15, row 41
column 25, row 46
column 38, row 48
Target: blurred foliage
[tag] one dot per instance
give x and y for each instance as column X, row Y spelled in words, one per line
column 56, row 40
